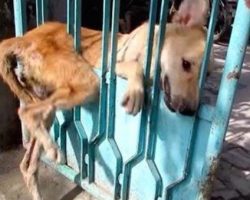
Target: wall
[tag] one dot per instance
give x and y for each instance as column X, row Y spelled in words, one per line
column 10, row 134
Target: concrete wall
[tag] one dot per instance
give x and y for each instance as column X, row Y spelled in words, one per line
column 10, row 133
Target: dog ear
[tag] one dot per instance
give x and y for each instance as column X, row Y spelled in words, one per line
column 248, row 3
column 192, row 13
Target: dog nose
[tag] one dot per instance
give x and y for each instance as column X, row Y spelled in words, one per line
column 187, row 112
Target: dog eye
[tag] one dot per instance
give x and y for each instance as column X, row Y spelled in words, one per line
column 186, row 65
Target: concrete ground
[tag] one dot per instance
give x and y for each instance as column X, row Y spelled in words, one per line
column 12, row 186
column 232, row 179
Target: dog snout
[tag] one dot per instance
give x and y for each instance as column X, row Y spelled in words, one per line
column 165, row 85
column 181, row 105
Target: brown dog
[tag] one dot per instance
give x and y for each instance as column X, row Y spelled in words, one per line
column 52, row 76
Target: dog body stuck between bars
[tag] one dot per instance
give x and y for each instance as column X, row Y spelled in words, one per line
column 156, row 154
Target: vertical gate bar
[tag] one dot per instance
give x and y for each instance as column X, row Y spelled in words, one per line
column 77, row 25
column 112, row 87
column 112, row 95
column 209, row 44
column 233, row 65
column 76, row 33
column 205, row 62
column 56, row 128
column 156, row 81
column 20, row 29
column 41, row 11
column 70, row 22
column 76, row 13
column 155, row 103
column 62, row 139
column 144, row 116
column 103, row 90
column 20, row 17
column 150, row 39
column 70, row 16
column 74, row 28
column 190, row 153
column 38, row 12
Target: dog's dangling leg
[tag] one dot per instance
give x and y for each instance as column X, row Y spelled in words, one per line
column 38, row 119
column 29, row 167
column 24, row 165
column 32, row 173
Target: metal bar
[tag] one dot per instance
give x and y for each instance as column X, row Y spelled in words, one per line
column 77, row 24
column 150, row 39
column 144, row 116
column 56, row 127
column 156, row 83
column 20, row 17
column 225, row 98
column 83, row 148
column 20, row 29
column 74, row 28
column 41, row 11
column 75, row 31
column 112, row 85
column 103, row 90
column 70, row 16
column 104, row 64
column 209, row 44
column 112, row 96
column 154, row 108
column 233, row 65
column 62, row 139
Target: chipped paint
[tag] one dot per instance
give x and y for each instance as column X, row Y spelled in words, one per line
column 206, row 186
column 233, row 75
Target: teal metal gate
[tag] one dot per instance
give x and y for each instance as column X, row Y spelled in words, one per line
column 156, row 154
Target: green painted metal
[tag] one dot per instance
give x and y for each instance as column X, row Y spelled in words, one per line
column 209, row 45
column 42, row 11
column 20, row 28
column 20, row 17
column 229, row 82
column 170, row 190
column 73, row 28
column 150, row 156
column 156, row 154
column 95, row 141
column 112, row 98
column 135, row 159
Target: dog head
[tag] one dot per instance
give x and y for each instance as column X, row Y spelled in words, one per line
column 181, row 59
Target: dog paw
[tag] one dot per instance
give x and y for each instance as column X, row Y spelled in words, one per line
column 133, row 98
column 55, row 155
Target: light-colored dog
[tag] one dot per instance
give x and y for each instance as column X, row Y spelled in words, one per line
column 52, row 76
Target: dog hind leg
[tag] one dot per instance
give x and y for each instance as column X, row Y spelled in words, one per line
column 29, row 167
column 38, row 120
column 35, row 115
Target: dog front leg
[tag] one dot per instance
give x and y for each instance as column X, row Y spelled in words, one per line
column 134, row 96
